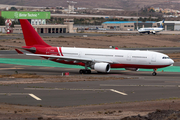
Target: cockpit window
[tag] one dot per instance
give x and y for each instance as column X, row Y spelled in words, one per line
column 165, row 58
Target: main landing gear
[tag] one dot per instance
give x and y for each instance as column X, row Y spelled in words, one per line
column 85, row 71
column 154, row 73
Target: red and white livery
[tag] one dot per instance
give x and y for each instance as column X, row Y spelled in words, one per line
column 101, row 60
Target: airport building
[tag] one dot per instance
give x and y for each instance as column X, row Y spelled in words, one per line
column 172, row 25
column 38, row 21
column 67, row 27
column 2, row 30
column 132, row 25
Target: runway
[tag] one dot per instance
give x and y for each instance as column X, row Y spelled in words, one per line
column 127, row 87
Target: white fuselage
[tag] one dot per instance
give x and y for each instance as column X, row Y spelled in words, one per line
column 149, row 30
column 141, row 59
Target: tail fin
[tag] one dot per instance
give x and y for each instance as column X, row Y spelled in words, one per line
column 31, row 37
column 162, row 24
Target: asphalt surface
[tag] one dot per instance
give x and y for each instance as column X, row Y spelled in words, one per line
column 138, row 86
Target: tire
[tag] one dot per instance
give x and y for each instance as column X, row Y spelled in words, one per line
column 81, row 71
column 154, row 73
column 89, row 71
column 85, row 71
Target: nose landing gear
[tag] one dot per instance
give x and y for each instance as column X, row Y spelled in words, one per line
column 154, row 73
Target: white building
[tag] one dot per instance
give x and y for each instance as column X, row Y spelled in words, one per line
column 38, row 22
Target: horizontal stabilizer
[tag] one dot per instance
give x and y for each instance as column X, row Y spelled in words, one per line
column 19, row 52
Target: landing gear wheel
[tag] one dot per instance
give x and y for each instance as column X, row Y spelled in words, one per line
column 84, row 71
column 154, row 73
column 89, row 71
column 81, row 71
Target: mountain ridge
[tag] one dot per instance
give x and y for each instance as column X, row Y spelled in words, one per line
column 118, row 4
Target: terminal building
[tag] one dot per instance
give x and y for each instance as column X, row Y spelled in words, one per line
column 67, row 27
column 38, row 21
column 132, row 25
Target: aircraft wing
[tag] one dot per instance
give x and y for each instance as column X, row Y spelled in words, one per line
column 81, row 59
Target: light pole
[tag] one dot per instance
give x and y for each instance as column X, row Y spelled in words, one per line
column 70, row 6
column 137, row 16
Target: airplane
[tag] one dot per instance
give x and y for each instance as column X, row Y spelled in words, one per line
column 102, row 29
column 152, row 30
column 101, row 60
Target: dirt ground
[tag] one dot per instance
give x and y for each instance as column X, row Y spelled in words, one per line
column 104, row 111
column 120, row 41
column 96, row 112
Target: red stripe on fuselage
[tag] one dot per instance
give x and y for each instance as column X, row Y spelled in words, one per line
column 60, row 51
column 137, row 66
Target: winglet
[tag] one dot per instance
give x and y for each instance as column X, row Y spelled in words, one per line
column 18, row 51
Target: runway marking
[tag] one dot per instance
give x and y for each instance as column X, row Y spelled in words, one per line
column 35, row 97
column 118, row 92
column 139, row 85
column 112, row 90
column 32, row 95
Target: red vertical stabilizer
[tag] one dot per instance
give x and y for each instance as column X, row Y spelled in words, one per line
column 31, row 37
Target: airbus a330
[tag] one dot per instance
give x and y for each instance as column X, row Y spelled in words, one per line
column 101, row 60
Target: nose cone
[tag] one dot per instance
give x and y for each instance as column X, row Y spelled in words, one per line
column 171, row 61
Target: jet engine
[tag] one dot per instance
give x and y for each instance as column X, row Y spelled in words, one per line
column 101, row 67
column 132, row 69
